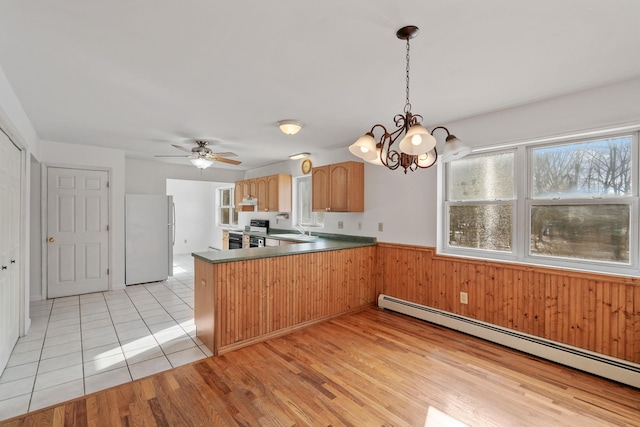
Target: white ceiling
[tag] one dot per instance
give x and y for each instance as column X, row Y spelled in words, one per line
column 140, row 75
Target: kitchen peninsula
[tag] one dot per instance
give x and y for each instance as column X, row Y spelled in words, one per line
column 245, row 296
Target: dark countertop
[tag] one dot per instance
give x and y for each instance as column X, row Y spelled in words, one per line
column 322, row 244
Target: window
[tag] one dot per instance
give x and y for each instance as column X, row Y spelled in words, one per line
column 568, row 204
column 227, row 214
column 482, row 196
column 304, row 215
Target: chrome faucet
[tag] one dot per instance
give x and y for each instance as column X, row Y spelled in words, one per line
column 301, row 229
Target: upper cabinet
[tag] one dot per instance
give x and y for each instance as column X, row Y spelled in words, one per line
column 338, row 187
column 244, row 189
column 273, row 192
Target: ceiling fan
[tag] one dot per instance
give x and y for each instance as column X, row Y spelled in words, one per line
column 202, row 156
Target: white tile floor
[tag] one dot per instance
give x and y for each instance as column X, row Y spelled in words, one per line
column 82, row 344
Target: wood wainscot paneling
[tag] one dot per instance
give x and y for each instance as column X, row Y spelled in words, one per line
column 596, row 312
column 262, row 298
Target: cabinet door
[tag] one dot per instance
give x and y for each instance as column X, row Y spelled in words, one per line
column 262, row 193
column 339, row 187
column 320, row 189
column 238, row 194
column 225, row 240
column 273, row 193
column 250, row 188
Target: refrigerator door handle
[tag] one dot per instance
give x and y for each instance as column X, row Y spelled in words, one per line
column 173, row 223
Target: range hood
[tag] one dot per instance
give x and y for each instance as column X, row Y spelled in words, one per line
column 249, row 201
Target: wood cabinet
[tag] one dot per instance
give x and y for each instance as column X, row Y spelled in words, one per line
column 225, row 240
column 244, row 189
column 338, row 187
column 203, row 312
column 261, row 191
column 235, row 306
column 274, row 193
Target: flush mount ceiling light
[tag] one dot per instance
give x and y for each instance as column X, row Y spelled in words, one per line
column 299, row 156
column 290, row 127
column 201, row 162
column 417, row 145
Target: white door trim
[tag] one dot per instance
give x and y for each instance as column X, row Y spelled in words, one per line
column 9, row 130
column 43, row 215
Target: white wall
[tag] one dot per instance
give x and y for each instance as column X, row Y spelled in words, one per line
column 196, row 224
column 73, row 155
column 144, row 177
column 14, row 120
column 407, row 204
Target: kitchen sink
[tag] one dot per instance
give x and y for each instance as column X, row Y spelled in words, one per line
column 294, row 236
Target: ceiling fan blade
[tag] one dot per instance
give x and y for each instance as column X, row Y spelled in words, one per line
column 225, row 154
column 165, row 155
column 223, row 160
column 179, row 147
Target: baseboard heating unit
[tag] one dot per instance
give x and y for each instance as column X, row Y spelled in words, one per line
column 584, row 360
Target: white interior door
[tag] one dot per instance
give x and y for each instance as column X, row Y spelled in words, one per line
column 9, row 247
column 78, row 231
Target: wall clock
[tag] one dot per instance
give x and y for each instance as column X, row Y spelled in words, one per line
column 306, row 166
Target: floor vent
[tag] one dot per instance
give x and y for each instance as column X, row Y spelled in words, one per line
column 595, row 363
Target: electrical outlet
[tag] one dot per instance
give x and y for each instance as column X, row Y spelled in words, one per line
column 464, row 298
column 359, row 226
column 380, row 227
column 340, row 224
column 185, row 240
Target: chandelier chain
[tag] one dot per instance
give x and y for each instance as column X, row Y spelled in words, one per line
column 407, row 106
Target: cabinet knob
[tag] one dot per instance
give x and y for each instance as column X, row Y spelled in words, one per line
column 4, row 267
column 52, row 239
column 13, row 261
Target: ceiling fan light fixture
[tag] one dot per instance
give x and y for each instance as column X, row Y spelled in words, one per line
column 201, row 163
column 290, row 127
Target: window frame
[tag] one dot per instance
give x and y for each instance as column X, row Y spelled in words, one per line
column 233, row 216
column 521, row 227
column 473, row 252
column 316, row 217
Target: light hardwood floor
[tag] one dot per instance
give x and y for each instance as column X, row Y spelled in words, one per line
column 364, row 369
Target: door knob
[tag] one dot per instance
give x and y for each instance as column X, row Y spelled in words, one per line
column 52, row 239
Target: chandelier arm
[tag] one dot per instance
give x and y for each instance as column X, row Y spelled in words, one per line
column 440, row 127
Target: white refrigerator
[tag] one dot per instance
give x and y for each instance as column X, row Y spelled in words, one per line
column 150, row 235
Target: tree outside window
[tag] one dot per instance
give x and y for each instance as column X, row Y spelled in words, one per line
column 564, row 204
